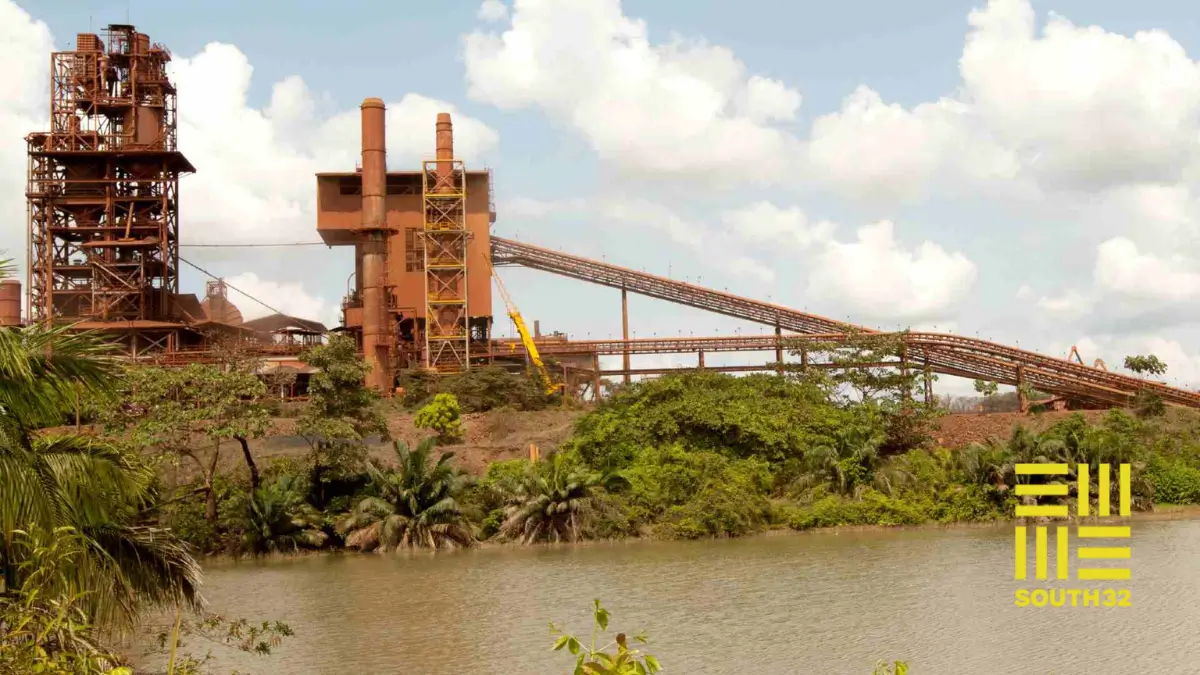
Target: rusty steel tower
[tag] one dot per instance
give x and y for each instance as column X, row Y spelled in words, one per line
column 374, row 234
column 445, row 238
column 103, row 190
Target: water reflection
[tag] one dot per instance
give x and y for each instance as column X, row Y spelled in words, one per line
column 781, row 605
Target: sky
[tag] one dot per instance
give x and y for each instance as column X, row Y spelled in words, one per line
column 1023, row 171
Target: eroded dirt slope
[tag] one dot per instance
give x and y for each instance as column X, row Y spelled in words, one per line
column 958, row 429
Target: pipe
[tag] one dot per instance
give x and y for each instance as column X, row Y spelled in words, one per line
column 445, row 153
column 374, row 247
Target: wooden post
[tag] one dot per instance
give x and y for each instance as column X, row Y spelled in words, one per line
column 625, row 332
column 803, row 360
column 701, row 362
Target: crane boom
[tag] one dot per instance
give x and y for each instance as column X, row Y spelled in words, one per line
column 530, row 348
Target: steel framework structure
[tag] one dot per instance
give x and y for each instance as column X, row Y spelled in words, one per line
column 103, row 190
column 934, row 352
column 445, row 238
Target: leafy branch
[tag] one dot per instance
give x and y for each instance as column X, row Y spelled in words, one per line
column 590, row 660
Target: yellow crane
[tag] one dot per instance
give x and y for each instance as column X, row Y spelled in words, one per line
column 530, row 348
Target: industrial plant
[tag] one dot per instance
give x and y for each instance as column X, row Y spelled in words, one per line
column 103, row 255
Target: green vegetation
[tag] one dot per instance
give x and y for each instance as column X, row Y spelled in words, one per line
column 591, row 658
column 83, row 554
column 615, row 656
column 102, row 525
column 412, row 505
column 477, row 390
column 687, row 456
column 1146, row 365
column 987, row 389
column 442, row 416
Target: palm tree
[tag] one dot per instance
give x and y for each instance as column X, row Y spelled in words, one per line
column 846, row 464
column 276, row 519
column 51, row 482
column 554, row 500
column 414, row 504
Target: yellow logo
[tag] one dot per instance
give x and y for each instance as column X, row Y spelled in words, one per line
column 1073, row 597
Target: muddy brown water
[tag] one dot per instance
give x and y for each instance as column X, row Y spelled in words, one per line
column 943, row 599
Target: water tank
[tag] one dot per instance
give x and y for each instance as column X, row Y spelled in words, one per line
column 10, row 302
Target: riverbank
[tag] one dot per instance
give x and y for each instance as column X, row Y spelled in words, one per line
column 1162, row 513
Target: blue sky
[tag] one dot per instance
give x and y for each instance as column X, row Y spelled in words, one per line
column 1038, row 184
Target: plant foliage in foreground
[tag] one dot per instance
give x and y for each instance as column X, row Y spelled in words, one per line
column 50, row 482
column 593, row 660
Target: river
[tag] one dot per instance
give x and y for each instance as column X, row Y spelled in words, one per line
column 773, row 605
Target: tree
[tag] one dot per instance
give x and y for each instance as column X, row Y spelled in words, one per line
column 341, row 412
column 50, row 482
column 188, row 413
column 1146, row 365
column 442, row 415
column 414, row 504
column 554, row 500
column 1147, row 403
column 870, row 365
column 275, row 518
column 987, row 389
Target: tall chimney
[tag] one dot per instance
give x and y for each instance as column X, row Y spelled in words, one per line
column 374, row 247
column 445, row 152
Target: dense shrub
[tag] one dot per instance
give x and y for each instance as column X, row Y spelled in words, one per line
column 873, row 508
column 477, row 390
column 761, row 416
column 442, row 416
column 1174, row 481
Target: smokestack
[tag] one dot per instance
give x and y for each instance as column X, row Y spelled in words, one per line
column 374, row 248
column 445, row 152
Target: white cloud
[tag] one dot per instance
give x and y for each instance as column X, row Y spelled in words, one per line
column 1071, row 107
column 254, row 180
column 1084, row 106
column 873, row 275
column 684, row 108
column 255, row 167
column 1024, row 292
column 876, row 277
column 878, row 150
column 649, row 214
column 1069, row 305
column 1183, row 367
column 288, row 298
column 767, row 100
column 765, row 224
column 1074, row 107
column 492, row 10
column 1123, row 270
column 25, row 45
column 745, row 266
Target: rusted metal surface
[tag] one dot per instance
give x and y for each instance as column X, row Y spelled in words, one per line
column 944, row 353
column 103, row 184
column 456, row 200
column 445, row 238
column 103, row 190
column 10, row 302
column 374, row 234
